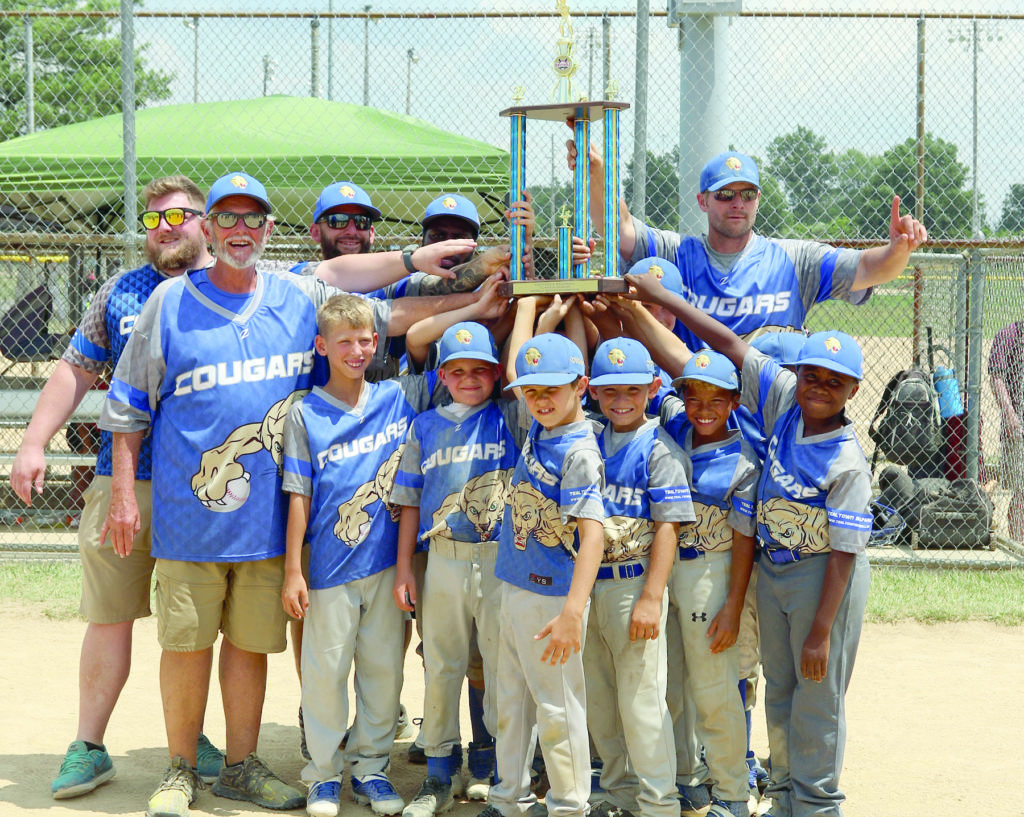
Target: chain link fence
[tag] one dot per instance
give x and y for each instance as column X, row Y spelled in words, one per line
column 842, row 105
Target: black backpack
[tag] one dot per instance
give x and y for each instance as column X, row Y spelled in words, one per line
column 907, row 428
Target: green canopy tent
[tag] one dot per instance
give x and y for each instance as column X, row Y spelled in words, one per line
column 295, row 146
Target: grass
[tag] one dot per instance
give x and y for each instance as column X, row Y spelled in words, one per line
column 928, row 596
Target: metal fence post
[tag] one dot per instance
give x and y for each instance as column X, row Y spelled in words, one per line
column 131, row 180
column 314, row 57
column 30, row 79
column 975, row 336
column 638, row 205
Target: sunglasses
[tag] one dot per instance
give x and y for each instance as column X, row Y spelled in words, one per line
column 175, row 217
column 339, row 221
column 728, row 195
column 227, row 220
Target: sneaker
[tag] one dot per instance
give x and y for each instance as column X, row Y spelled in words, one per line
column 176, row 792
column 209, row 759
column 251, row 780
column 693, row 800
column 376, row 791
column 302, row 738
column 81, row 771
column 404, row 729
column 728, row 808
column 417, row 755
column 481, row 770
column 434, row 797
column 324, row 799
column 606, row 809
column 491, row 811
column 455, row 771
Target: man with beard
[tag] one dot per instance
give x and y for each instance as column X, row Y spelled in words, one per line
column 115, row 590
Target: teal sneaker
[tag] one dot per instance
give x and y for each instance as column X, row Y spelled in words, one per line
column 209, row 759
column 82, row 771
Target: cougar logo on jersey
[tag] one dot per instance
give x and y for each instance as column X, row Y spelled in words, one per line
column 363, row 445
column 627, row 537
column 482, row 501
column 354, row 520
column 534, row 515
column 465, row 453
column 712, row 530
column 795, row 525
column 253, row 370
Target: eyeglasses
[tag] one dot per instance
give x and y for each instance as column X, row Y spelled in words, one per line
column 174, row 216
column 339, row 221
column 437, row 235
column 226, row 220
column 748, row 194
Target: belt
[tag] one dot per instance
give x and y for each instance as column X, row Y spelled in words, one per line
column 781, row 556
column 691, row 553
column 626, row 570
column 452, row 549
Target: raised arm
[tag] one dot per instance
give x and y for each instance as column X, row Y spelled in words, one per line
column 470, row 275
column 880, row 265
column 718, row 336
column 627, row 235
column 366, row 272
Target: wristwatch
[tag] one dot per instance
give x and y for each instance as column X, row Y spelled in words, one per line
column 407, row 260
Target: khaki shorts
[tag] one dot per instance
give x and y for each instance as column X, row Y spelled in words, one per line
column 196, row 600
column 114, row 589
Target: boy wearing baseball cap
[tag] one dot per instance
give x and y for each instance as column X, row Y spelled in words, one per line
column 451, row 485
column 550, row 550
column 813, row 524
column 646, row 500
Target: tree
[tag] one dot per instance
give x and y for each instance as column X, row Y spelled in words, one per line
column 76, row 66
column 947, row 201
column 806, row 167
column 662, row 188
column 1012, row 219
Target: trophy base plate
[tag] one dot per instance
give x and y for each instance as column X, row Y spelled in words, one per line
column 560, row 111
column 562, row 286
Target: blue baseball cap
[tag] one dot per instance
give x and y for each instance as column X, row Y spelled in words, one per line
column 710, row 367
column 238, row 184
column 548, row 360
column 835, row 351
column 727, row 168
column 338, row 193
column 621, row 361
column 452, row 204
column 783, row 347
column 665, row 271
column 467, row 341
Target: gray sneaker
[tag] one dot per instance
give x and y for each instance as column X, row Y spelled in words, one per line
column 176, row 792
column 434, row 797
column 251, row 780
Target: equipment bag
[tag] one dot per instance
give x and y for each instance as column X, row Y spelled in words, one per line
column 906, row 427
column 957, row 514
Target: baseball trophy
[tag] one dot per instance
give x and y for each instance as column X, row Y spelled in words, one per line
column 579, row 277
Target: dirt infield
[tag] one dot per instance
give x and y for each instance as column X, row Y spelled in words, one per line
column 934, row 713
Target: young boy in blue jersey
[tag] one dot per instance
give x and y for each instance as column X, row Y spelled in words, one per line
column 646, row 499
column 550, row 550
column 451, row 485
column 813, row 524
column 342, row 446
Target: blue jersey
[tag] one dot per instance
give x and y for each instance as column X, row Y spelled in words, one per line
column 345, row 458
column 456, row 467
column 558, row 479
column 214, row 374
column 770, row 285
column 815, row 491
column 646, row 481
column 101, row 337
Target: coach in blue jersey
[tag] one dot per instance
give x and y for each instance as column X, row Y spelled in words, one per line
column 115, row 590
column 743, row 279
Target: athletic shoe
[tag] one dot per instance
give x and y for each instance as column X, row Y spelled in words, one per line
column 455, row 771
column 251, row 780
column 324, row 799
column 376, row 791
column 176, row 792
column 693, row 800
column 606, row 809
column 481, row 770
column 417, row 755
column 434, row 797
column 302, row 738
column 209, row 759
column 491, row 811
column 728, row 808
column 403, row 726
column 81, row 771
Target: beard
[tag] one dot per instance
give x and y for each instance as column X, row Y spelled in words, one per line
column 331, row 250
column 182, row 255
column 224, row 254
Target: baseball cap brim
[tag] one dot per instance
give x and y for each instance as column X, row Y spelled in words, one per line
column 624, row 379
column 831, row 364
column 469, row 355
column 705, row 378
column 543, row 379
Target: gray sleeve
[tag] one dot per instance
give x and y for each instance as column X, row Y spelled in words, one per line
column 849, row 500
column 743, row 493
column 134, row 394
column 669, row 487
column 766, row 388
column 670, row 408
column 298, row 460
column 94, row 329
column 406, row 494
column 518, row 419
column 665, row 243
column 582, row 483
column 824, row 272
